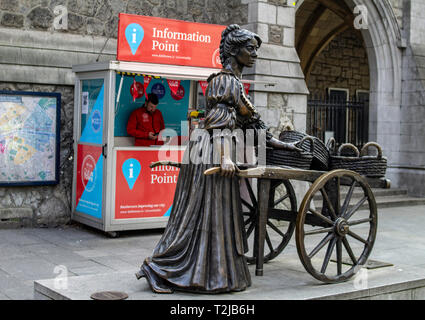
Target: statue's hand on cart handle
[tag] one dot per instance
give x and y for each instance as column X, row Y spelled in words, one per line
column 227, row 167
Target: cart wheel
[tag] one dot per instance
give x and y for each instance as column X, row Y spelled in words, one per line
column 349, row 226
column 280, row 221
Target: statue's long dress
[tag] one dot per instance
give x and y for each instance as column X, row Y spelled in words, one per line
column 203, row 245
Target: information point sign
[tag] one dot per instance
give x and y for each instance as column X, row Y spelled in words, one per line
column 167, row 41
column 142, row 191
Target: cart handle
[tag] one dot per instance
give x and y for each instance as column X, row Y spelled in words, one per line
column 165, row 163
column 215, row 170
column 371, row 144
column 256, row 172
column 350, row 146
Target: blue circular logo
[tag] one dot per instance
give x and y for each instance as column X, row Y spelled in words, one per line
column 96, row 121
column 159, row 90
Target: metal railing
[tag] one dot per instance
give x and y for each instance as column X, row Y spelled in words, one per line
column 346, row 121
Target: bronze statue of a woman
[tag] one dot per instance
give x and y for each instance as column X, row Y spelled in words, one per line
column 203, row 245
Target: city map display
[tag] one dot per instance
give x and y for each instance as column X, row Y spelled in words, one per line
column 29, row 134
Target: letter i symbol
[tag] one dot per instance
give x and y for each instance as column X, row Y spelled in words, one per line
column 134, row 36
column 131, row 171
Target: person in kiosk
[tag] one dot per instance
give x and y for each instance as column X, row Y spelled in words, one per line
column 146, row 123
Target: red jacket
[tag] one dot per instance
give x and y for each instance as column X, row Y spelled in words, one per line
column 141, row 122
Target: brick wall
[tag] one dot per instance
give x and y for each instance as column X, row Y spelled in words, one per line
column 342, row 64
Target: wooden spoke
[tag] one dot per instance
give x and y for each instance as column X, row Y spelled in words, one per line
column 250, row 229
column 317, row 231
column 338, row 194
column 245, row 203
column 348, row 198
column 353, row 223
column 339, row 256
column 357, row 237
column 271, row 225
column 269, row 242
column 273, row 186
column 249, row 220
column 349, row 251
column 328, row 255
column 355, row 208
column 321, row 245
column 321, row 216
column 330, row 206
column 251, row 193
column 281, row 199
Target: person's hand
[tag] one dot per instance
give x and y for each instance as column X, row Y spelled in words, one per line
column 277, row 144
column 228, row 168
column 152, row 136
column 293, row 146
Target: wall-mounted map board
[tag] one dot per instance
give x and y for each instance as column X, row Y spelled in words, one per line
column 29, row 138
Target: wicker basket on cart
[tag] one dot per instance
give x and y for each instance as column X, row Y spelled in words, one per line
column 361, row 162
column 295, row 159
column 320, row 154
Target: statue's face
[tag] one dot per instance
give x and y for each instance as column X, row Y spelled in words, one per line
column 248, row 53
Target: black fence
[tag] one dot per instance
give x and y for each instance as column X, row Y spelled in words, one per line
column 346, row 121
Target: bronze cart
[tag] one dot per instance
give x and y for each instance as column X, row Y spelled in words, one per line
column 341, row 218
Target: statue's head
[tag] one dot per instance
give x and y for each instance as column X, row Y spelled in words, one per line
column 239, row 44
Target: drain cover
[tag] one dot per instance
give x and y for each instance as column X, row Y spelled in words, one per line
column 109, row 295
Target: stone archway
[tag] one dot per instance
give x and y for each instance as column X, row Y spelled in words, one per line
column 383, row 41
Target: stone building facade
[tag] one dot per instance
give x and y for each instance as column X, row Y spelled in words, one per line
column 342, row 64
column 38, row 56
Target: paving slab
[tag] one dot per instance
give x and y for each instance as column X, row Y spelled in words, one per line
column 31, row 268
column 18, row 237
column 114, row 263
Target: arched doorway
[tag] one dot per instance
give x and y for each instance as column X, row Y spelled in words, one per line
column 324, row 29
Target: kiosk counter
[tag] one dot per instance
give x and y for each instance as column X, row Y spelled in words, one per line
column 114, row 188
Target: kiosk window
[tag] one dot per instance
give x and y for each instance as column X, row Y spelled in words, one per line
column 92, row 100
column 173, row 106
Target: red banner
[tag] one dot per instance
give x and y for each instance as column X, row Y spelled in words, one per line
column 146, row 81
column 167, row 41
column 246, row 87
column 204, row 85
column 136, row 90
column 174, row 86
